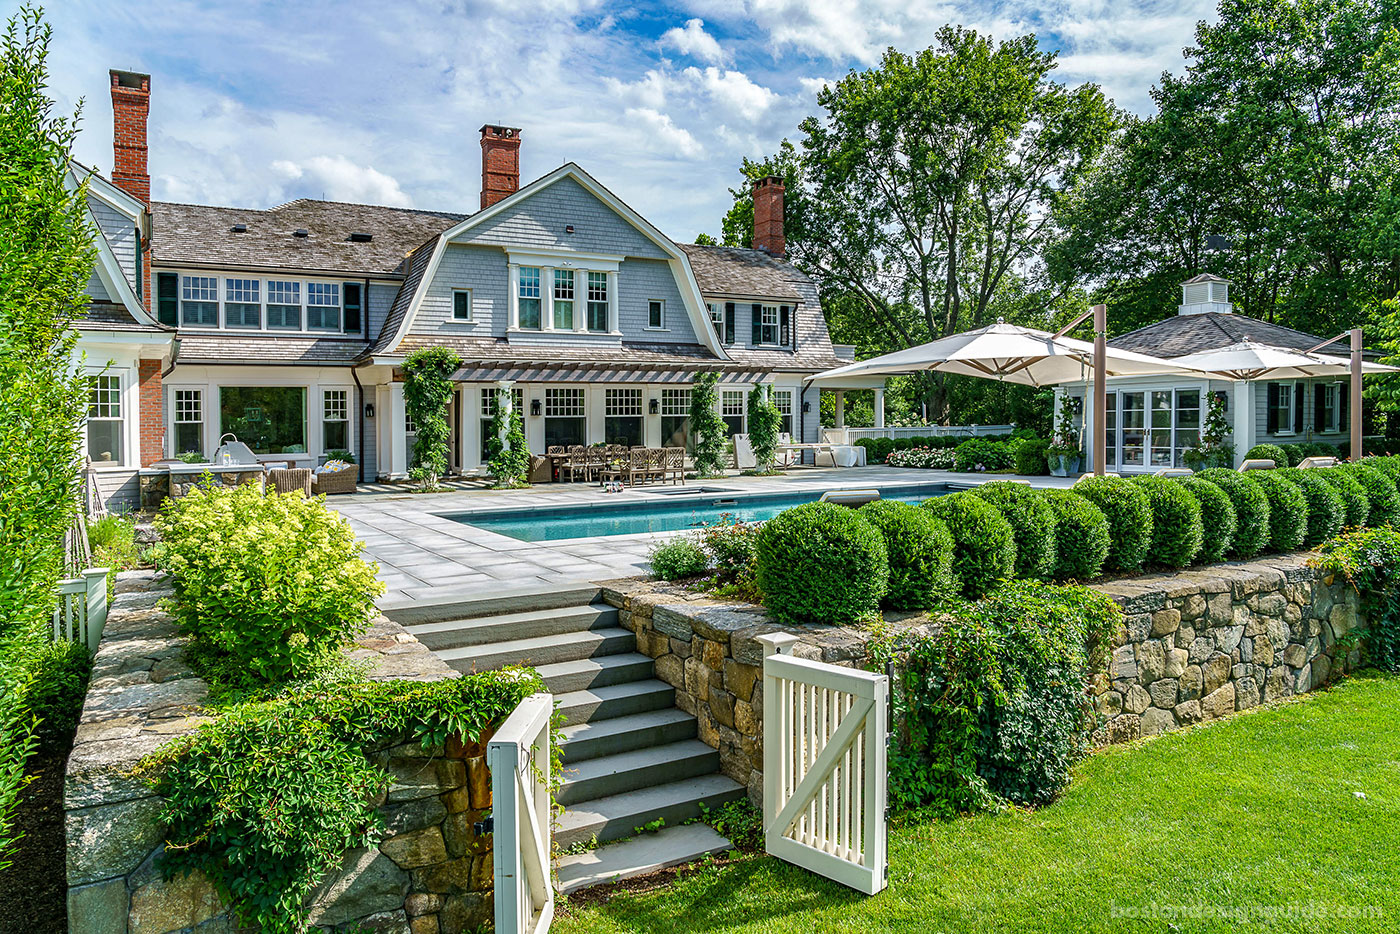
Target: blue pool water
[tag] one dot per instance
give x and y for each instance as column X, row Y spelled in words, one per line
column 689, row 510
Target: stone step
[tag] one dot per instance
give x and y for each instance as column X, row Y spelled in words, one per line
column 409, row 612
column 564, row 677
column 614, row 700
column 512, row 627
column 623, row 734
column 640, row 768
column 541, row 650
column 616, row 816
column 640, row 855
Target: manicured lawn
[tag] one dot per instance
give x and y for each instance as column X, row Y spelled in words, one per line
column 1294, row 805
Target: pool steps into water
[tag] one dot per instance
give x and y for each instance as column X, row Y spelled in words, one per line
column 630, row 757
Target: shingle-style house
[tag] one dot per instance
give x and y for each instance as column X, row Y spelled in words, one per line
column 1153, row 421
column 286, row 326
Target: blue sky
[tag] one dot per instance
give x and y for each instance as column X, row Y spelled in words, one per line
column 255, row 103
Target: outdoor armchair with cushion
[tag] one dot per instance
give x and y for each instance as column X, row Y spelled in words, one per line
column 334, row 477
column 285, row 481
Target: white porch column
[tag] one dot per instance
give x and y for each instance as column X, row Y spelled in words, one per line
column 614, row 325
column 1243, row 405
column 547, row 298
column 880, row 407
column 840, row 408
column 397, row 436
column 513, row 300
column 506, row 400
column 469, row 425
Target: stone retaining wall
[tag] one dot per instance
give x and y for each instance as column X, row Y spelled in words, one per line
column 1195, row 645
column 431, row 873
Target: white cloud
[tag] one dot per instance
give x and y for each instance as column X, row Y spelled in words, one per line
column 693, row 40
column 341, row 179
column 734, row 91
column 659, row 127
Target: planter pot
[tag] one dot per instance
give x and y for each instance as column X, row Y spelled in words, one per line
column 1063, row 465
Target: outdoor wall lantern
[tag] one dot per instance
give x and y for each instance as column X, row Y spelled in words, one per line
column 534, row 407
column 369, row 410
column 654, row 407
column 806, row 408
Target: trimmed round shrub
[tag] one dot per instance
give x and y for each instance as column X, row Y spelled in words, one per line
column 1033, row 522
column 1296, row 452
column 1081, row 536
column 1380, row 491
column 1288, row 510
column 677, row 559
column 1326, row 510
column 1030, row 457
column 1251, row 505
column 984, row 544
column 821, row 563
column 1354, row 499
column 920, row 550
column 1273, row 452
column 1389, row 465
column 1218, row 521
column 1129, row 516
column 1176, row 522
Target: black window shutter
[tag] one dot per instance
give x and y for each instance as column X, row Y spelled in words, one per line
column 140, row 279
column 1320, row 407
column 1298, row 407
column 757, row 324
column 352, row 307
column 1343, row 417
column 784, row 333
column 168, row 298
column 729, row 322
column 1271, row 410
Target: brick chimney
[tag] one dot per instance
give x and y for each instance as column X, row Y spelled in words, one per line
column 768, row 216
column 500, row 163
column 131, row 104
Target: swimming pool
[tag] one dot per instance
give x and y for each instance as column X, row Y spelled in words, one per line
column 689, row 510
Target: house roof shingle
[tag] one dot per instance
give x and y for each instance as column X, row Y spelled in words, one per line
column 196, row 234
column 111, row 316
column 225, row 348
column 727, row 270
column 1187, row 334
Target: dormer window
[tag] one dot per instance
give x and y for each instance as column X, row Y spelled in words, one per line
column 530, row 297
column 768, row 331
column 322, row 306
column 242, row 305
column 284, row 305
column 598, row 301
column 199, row 302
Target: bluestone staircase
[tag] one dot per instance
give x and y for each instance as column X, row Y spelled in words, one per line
column 630, row 757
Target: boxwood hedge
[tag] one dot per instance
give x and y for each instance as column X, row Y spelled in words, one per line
column 984, row 545
column 1081, row 536
column 1129, row 516
column 1380, row 491
column 1288, row 510
column 1218, row 521
column 1033, row 521
column 1354, row 499
column 920, row 551
column 1326, row 510
column 1251, row 506
column 1176, row 522
column 1273, row 452
column 821, row 563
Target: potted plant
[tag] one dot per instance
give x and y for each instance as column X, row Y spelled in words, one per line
column 1214, row 450
column 1063, row 454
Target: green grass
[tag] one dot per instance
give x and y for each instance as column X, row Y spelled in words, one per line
column 1257, row 813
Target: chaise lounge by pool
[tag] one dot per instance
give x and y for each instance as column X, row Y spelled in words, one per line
column 678, row 511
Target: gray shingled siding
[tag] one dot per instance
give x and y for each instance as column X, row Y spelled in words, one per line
column 120, row 489
column 481, row 269
column 95, row 288
column 1261, row 417
column 540, row 220
column 811, row 422
column 368, row 452
column 381, row 298
column 120, row 232
column 638, row 282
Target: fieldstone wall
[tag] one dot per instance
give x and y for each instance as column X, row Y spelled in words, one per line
column 431, row 873
column 1195, row 645
column 158, row 485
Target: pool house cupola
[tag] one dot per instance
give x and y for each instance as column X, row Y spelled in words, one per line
column 1205, row 294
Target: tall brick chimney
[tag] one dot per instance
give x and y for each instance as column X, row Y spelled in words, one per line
column 500, row 163
column 131, row 104
column 768, row 216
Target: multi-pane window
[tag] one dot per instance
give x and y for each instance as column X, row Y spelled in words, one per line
column 1110, row 430
column 488, row 410
column 189, row 421
column 1160, row 436
column 768, row 329
column 1187, row 424
column 335, row 420
column 462, row 305
column 199, row 301
column 716, row 311
column 104, row 421
column 242, row 303
column 675, row 418
column 284, row 305
column 563, row 403
column 656, row 314
column 564, row 299
column 1283, row 408
column 564, row 422
column 622, row 402
column 1134, row 428
column 597, row 301
column 783, row 399
column 322, row 306
column 731, row 409
column 622, row 416
column 529, row 297
column 1331, row 406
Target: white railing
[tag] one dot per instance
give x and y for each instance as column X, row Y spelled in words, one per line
column 518, row 756
column 81, row 613
column 931, row 431
column 824, row 766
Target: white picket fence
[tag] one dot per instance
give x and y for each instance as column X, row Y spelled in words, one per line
column 518, row 756
column 825, row 730
column 81, row 613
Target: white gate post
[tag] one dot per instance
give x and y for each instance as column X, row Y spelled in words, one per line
column 96, row 605
column 775, row 760
column 518, row 757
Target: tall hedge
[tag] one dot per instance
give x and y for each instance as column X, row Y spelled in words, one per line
column 1082, row 539
column 1218, row 521
column 821, row 563
column 984, row 544
column 1326, row 508
column 920, row 551
column 1380, row 492
column 1033, row 521
column 1251, row 506
column 1354, row 499
column 1288, row 510
column 1129, row 516
column 1176, row 522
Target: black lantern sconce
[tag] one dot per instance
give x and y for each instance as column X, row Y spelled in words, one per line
column 654, row 407
column 535, row 407
column 369, row 410
column 806, row 408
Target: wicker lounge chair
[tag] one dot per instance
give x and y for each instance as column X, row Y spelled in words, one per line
column 285, row 481
column 330, row 482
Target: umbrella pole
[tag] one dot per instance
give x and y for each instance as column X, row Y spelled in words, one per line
column 1355, row 394
column 1100, row 393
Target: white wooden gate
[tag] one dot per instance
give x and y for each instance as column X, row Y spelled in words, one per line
column 518, row 756
column 824, row 766
column 81, row 613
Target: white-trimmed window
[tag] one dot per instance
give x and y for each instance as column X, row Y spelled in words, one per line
column 731, row 409
column 597, row 301
column 461, row 304
column 782, row 398
column 1331, row 407
column 189, row 421
column 488, row 410
column 529, row 297
column 105, row 434
column 768, row 325
column 675, row 418
column 563, row 403
column 563, row 299
column 1281, row 407
column 656, row 314
column 242, row 303
column 199, row 301
column 564, row 417
column 622, row 402
column 335, row 420
column 622, row 416
column 284, row 305
column 322, row 306
column 716, row 310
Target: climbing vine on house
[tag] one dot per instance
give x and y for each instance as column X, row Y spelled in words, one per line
column 707, row 425
column 427, row 390
column 509, row 462
column 1215, row 449
column 765, row 421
